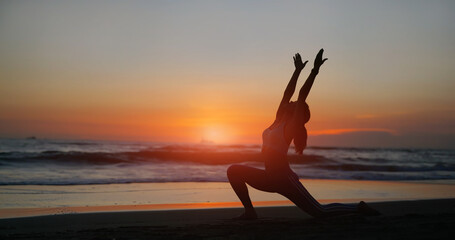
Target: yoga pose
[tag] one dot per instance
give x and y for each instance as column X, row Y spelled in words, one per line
column 278, row 177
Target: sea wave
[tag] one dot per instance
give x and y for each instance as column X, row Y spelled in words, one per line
column 76, row 162
column 204, row 156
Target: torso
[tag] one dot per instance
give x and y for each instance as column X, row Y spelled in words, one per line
column 275, row 148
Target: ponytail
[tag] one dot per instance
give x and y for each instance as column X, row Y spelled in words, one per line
column 301, row 136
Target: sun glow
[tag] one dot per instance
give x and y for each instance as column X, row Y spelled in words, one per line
column 215, row 134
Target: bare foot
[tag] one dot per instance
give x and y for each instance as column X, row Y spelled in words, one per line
column 247, row 215
column 367, row 210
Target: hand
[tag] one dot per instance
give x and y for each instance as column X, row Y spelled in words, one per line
column 319, row 61
column 299, row 65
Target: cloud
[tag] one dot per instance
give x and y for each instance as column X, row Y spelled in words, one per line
column 350, row 130
column 381, row 138
column 366, row 116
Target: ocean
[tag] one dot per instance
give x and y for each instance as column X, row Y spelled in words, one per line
column 77, row 162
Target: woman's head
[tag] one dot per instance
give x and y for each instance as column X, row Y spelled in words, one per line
column 300, row 133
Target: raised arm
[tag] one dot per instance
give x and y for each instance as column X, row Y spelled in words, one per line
column 290, row 89
column 305, row 90
column 300, row 111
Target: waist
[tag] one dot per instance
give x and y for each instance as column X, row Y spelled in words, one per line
column 276, row 163
column 275, row 150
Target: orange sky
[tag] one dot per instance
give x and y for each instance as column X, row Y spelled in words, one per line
column 192, row 71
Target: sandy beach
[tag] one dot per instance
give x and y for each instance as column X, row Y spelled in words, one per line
column 424, row 219
column 418, row 210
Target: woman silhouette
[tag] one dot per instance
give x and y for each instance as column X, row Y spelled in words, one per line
column 278, row 177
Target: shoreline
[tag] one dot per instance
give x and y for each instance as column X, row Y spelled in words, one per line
column 11, row 213
column 37, row 200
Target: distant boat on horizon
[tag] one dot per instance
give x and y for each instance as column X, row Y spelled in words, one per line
column 31, row 138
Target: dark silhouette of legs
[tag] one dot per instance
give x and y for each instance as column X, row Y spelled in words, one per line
column 297, row 193
column 238, row 176
column 288, row 185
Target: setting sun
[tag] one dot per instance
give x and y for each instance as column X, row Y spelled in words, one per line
column 215, row 134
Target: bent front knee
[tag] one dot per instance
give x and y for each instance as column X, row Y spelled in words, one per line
column 233, row 170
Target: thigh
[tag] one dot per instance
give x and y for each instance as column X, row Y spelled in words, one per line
column 254, row 177
column 299, row 195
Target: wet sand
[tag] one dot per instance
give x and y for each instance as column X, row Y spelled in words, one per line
column 423, row 219
column 55, row 199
